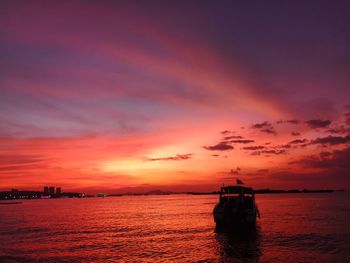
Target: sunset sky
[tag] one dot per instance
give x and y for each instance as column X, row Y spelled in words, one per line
column 174, row 95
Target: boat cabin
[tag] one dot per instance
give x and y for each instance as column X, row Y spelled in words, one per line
column 236, row 205
column 241, row 194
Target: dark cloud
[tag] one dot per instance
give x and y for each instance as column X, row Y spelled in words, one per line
column 233, row 137
column 269, row 131
column 288, row 121
column 298, row 141
column 295, row 134
column 225, row 132
column 284, row 146
column 178, row 157
column 317, row 123
column 331, row 140
column 335, row 160
column 261, row 125
column 269, row 152
column 275, row 152
column 254, row 148
column 265, row 127
column 222, row 146
column 294, row 143
column 339, row 130
column 241, row 141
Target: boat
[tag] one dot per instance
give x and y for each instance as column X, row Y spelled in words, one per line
column 236, row 207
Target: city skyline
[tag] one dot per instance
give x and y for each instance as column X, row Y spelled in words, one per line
column 174, row 96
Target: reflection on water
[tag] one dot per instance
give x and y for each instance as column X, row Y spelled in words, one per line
column 174, row 228
column 239, row 244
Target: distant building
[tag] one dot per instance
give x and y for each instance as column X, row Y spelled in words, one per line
column 51, row 190
column 46, row 190
column 58, row 190
column 14, row 190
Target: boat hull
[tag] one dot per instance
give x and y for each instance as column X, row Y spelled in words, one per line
column 231, row 217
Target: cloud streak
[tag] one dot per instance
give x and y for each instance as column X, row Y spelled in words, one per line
column 222, row 146
column 331, row 140
column 265, row 127
column 318, row 123
column 178, row 157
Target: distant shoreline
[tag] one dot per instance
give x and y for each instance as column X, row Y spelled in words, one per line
column 260, row 191
column 271, row 191
column 38, row 195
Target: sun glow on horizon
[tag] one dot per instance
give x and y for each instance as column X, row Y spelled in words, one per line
column 125, row 98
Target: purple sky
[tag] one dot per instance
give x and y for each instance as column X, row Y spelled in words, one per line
column 107, row 94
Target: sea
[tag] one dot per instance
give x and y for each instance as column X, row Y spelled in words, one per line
column 310, row 227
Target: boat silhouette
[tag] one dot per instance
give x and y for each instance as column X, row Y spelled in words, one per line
column 236, row 207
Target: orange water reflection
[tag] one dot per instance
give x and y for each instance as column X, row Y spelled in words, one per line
column 175, row 228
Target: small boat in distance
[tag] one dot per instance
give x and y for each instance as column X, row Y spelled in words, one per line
column 236, row 206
